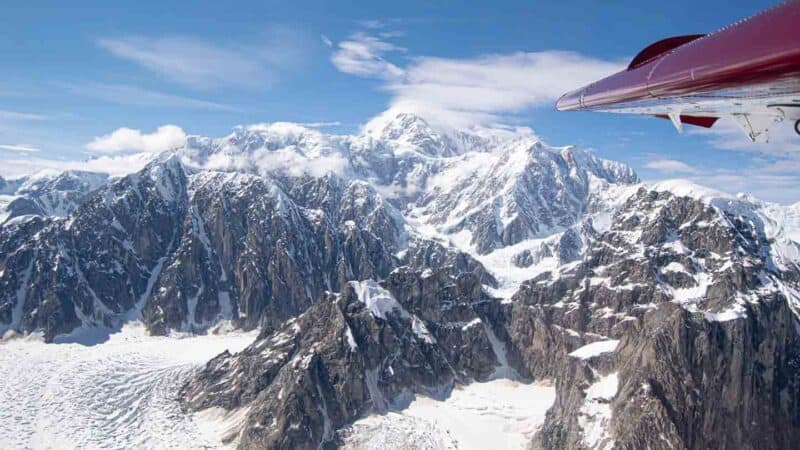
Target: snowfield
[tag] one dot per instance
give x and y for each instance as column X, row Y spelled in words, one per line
column 115, row 394
column 121, row 394
column 501, row 414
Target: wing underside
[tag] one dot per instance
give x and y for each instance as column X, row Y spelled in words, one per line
column 755, row 109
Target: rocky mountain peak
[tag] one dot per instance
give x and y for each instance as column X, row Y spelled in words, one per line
column 409, row 132
column 273, row 136
column 405, row 124
column 378, row 268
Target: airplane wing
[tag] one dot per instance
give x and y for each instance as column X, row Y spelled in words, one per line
column 749, row 71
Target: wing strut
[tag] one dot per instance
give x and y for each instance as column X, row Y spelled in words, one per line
column 676, row 120
column 756, row 126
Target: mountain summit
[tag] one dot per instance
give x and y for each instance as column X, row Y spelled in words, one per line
column 378, row 267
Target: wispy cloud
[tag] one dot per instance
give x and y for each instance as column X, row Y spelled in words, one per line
column 672, row 166
column 771, row 170
column 321, row 124
column 363, row 55
column 131, row 95
column 18, row 148
column 200, row 64
column 117, row 165
column 727, row 135
column 487, row 87
column 126, row 139
column 16, row 115
column 782, row 188
column 777, row 181
column 371, row 24
column 461, row 92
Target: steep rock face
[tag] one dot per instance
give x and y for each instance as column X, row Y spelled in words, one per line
column 428, row 253
column 99, row 263
column 186, row 250
column 237, row 240
column 710, row 384
column 247, row 241
column 190, row 250
column 688, row 291
column 366, row 349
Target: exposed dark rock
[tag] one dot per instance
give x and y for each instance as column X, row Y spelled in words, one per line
column 425, row 253
column 367, row 349
column 724, row 376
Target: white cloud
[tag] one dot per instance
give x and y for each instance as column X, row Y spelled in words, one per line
column 132, row 95
column 363, row 55
column 727, row 135
column 771, row 170
column 112, row 165
column 670, row 166
column 462, row 92
column 488, row 88
column 371, row 24
column 321, row 124
column 266, row 161
column 126, row 139
column 326, row 40
column 199, row 64
column 781, row 188
column 19, row 148
column 296, row 165
column 15, row 115
column 777, row 181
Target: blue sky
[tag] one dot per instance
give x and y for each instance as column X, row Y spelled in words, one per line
column 74, row 72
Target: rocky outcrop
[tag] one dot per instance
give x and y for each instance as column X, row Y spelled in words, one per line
column 185, row 250
column 369, row 348
column 705, row 331
column 247, row 241
column 710, row 384
column 666, row 321
column 98, row 264
column 427, row 253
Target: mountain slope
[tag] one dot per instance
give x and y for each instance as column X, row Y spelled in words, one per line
column 48, row 194
column 409, row 261
column 189, row 242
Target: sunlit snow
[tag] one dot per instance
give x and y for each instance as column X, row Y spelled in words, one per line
column 501, row 414
column 120, row 393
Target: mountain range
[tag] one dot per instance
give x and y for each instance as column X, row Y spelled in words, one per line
column 410, row 260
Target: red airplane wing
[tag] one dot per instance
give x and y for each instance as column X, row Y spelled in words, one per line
column 749, row 71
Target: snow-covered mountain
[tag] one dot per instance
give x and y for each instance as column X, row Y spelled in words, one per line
column 220, row 227
column 47, row 193
column 409, row 260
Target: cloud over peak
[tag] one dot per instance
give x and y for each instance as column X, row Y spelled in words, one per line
column 166, row 137
column 468, row 91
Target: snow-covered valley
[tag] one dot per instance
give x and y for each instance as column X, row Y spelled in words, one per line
column 500, row 414
column 116, row 394
column 376, row 267
column 121, row 394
